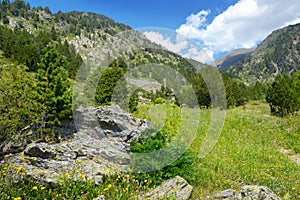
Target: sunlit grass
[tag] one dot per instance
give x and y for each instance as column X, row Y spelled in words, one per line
column 247, row 153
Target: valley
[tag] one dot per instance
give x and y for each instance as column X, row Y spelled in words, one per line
column 92, row 109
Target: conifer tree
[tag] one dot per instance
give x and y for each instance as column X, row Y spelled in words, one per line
column 282, row 96
column 53, row 91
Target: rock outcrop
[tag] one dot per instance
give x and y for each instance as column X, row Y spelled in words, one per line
column 248, row 192
column 102, row 139
column 176, row 188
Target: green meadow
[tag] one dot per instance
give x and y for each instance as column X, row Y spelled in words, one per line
column 246, row 153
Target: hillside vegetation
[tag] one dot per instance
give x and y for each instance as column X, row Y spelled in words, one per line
column 278, row 53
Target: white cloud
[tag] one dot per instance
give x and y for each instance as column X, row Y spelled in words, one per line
column 242, row 25
column 200, row 56
column 198, row 19
column 179, row 44
column 158, row 38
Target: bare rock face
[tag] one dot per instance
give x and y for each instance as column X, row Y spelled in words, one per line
column 248, row 192
column 102, row 139
column 176, row 188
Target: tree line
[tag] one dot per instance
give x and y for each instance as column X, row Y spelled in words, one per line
column 26, row 48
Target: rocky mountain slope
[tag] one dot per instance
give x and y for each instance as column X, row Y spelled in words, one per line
column 232, row 58
column 278, row 53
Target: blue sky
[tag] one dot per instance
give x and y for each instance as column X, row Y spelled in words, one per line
column 140, row 13
column 219, row 26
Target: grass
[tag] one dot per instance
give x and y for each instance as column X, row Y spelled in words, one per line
column 247, row 153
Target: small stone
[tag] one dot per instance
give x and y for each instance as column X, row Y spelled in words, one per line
column 224, row 194
column 100, row 198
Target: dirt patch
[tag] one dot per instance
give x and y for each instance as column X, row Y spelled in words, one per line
column 292, row 156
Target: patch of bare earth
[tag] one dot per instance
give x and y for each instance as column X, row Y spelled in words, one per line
column 291, row 154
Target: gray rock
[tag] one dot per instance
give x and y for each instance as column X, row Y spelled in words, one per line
column 41, row 150
column 248, row 192
column 225, row 194
column 103, row 139
column 255, row 192
column 177, row 188
column 12, row 147
column 100, row 198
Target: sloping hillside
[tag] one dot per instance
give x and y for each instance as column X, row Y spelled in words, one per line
column 232, row 58
column 278, row 53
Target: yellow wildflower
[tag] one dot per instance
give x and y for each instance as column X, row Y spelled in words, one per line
column 43, row 188
column 81, row 176
column 18, row 198
column 175, row 190
column 108, row 187
column 34, row 188
column 21, row 168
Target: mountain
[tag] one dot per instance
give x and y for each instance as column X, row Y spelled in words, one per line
column 278, row 53
column 232, row 58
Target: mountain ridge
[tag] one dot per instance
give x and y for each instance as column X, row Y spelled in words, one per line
column 279, row 53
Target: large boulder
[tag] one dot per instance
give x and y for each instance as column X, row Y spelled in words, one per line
column 176, row 188
column 102, row 139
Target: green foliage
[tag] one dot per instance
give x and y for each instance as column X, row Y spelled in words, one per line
column 17, row 105
column 53, row 91
column 135, row 99
column 257, row 91
column 283, row 96
column 89, row 22
column 235, row 92
column 27, row 49
column 202, row 91
column 19, row 45
column 278, row 53
column 155, row 139
column 73, row 60
column 108, row 85
column 159, row 100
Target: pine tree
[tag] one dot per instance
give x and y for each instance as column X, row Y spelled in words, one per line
column 108, row 86
column 282, row 96
column 53, row 91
